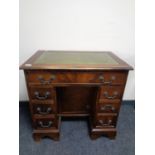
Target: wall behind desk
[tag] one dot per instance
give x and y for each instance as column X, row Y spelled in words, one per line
column 95, row 25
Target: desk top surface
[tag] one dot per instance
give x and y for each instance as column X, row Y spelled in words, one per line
column 74, row 60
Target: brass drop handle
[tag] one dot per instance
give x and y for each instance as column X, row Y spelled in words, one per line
column 48, row 110
column 43, row 81
column 41, row 97
column 108, row 107
column 115, row 94
column 101, row 78
column 42, row 125
column 105, row 124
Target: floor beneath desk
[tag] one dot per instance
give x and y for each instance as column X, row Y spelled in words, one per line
column 75, row 140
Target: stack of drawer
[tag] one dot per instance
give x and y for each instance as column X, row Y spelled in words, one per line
column 43, row 108
column 108, row 102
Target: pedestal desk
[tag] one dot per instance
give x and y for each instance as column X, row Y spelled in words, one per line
column 75, row 84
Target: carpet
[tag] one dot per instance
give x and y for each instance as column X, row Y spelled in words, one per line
column 75, row 140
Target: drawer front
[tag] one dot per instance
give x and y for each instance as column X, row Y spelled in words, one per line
column 49, row 77
column 42, row 94
column 104, row 121
column 44, row 109
column 46, row 123
column 108, row 106
column 111, row 92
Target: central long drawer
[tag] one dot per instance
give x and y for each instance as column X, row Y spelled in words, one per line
column 52, row 77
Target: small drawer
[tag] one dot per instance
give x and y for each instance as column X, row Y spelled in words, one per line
column 48, row 77
column 108, row 106
column 46, row 123
column 111, row 92
column 42, row 94
column 44, row 109
column 104, row 121
column 110, row 78
column 53, row 77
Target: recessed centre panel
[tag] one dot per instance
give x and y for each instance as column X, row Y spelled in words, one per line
column 76, row 99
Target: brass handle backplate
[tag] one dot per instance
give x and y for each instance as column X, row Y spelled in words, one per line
column 43, row 81
column 101, row 78
column 42, row 125
column 41, row 97
column 48, row 110
column 108, row 107
column 105, row 124
column 115, row 94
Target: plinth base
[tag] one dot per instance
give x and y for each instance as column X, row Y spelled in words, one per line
column 109, row 132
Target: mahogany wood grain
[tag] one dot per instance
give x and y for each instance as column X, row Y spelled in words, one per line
column 106, row 120
column 45, row 123
column 111, row 92
column 76, row 99
column 44, row 109
column 101, row 77
column 108, row 106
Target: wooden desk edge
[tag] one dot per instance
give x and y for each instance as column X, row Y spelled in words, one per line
column 122, row 64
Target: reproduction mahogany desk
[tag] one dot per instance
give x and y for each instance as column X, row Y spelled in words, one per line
column 75, row 84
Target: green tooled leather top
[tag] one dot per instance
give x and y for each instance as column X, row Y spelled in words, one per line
column 56, row 57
